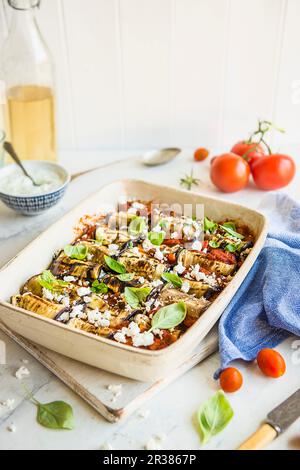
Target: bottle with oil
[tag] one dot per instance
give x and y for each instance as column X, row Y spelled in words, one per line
column 26, row 71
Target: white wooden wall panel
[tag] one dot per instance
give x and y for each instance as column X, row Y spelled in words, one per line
column 145, row 43
column 252, row 65
column 92, row 45
column 146, row 73
column 198, row 59
column 287, row 111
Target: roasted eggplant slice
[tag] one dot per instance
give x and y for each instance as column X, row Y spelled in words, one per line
column 149, row 268
column 65, row 266
column 89, row 328
column 38, row 305
column 195, row 307
column 189, row 258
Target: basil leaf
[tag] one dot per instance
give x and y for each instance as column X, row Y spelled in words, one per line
column 231, row 247
column 214, row 243
column 137, row 226
column 230, row 225
column 173, row 279
column 168, row 317
column 47, row 280
column 210, row 225
column 99, row 287
column 136, row 295
column 156, row 238
column 115, row 265
column 213, row 416
column 231, row 232
column 55, row 415
column 125, row 277
column 76, row 251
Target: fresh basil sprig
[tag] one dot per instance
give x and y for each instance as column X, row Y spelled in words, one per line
column 168, row 317
column 209, row 225
column 231, row 247
column 213, row 416
column 127, row 277
column 173, row 279
column 214, row 244
column 76, row 251
column 137, row 226
column 114, row 265
column 50, row 282
column 99, row 287
column 156, row 238
column 231, row 232
column 136, row 295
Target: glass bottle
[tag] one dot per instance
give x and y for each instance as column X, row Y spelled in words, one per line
column 26, row 68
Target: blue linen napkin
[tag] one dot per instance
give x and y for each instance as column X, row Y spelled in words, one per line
column 266, row 308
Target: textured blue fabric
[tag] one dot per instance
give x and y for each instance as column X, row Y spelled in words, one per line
column 266, row 308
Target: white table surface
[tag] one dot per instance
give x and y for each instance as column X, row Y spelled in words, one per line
column 171, row 412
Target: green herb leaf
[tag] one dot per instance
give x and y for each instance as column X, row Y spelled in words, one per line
column 231, row 247
column 115, row 265
column 213, row 416
column 137, row 226
column 189, row 181
column 125, row 277
column 99, row 287
column 173, row 279
column 76, row 251
column 169, row 316
column 231, row 232
column 136, row 295
column 55, row 415
column 50, row 282
column 214, row 243
column 210, row 225
column 230, row 225
column 156, row 238
column 165, row 224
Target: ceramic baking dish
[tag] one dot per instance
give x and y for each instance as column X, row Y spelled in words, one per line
column 144, row 365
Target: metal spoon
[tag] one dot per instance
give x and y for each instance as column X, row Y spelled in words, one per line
column 11, row 151
column 160, row 157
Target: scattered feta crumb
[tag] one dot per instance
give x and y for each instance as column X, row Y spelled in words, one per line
column 89, row 256
column 135, row 251
column 47, row 294
column 174, row 235
column 141, row 280
column 158, row 254
column 9, row 403
column 116, row 390
column 185, row 287
column 113, row 248
column 157, row 229
column 120, row 337
column 156, row 283
column 132, row 330
column 83, row 291
column 12, row 428
column 179, row 268
column 76, row 311
column 66, row 301
column 69, row 278
column 158, row 333
column 143, row 339
column 147, row 245
column 22, row 372
column 197, row 245
column 132, row 210
column 65, row 316
column 87, row 299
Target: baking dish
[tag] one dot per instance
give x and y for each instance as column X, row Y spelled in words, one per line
column 100, row 352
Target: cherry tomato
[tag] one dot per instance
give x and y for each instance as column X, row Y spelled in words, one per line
column 172, row 242
column 249, row 151
column 229, row 172
column 271, row 363
column 201, row 154
column 171, row 257
column 273, row 171
column 231, row 380
column 223, row 256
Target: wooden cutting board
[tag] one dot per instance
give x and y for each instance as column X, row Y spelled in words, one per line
column 91, row 383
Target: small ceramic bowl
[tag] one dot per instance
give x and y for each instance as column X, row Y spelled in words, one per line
column 34, row 205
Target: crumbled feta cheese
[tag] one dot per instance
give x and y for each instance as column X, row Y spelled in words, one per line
column 158, row 254
column 93, row 316
column 113, row 249
column 76, row 311
column 185, row 287
column 147, row 245
column 87, row 299
column 69, row 278
column 12, row 428
column 188, row 231
column 149, row 305
column 83, row 291
column 65, row 300
column 157, row 303
column 157, row 229
column 204, row 250
column 47, row 294
column 174, row 235
column 141, row 280
column 65, row 316
column 103, row 322
column 135, row 251
column 156, row 283
column 132, row 210
column 133, row 329
column 107, row 446
column 106, row 315
column 138, row 205
column 197, row 245
column 9, row 403
column 115, row 389
column 120, row 337
column 143, row 339
column 89, row 256
column 22, row 372
column 158, row 333
column 179, row 268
